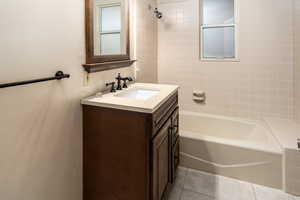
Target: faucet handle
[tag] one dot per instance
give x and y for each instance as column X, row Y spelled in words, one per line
column 125, row 81
column 113, row 89
column 119, row 77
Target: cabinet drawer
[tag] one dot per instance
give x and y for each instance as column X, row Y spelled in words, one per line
column 164, row 112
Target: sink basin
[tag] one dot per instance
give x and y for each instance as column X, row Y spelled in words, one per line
column 138, row 93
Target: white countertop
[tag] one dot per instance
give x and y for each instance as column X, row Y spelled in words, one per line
column 110, row 100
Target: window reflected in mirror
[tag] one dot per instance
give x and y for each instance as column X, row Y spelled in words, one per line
column 109, row 27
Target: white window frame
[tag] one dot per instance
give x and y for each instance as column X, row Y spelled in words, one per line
column 236, row 35
column 98, row 19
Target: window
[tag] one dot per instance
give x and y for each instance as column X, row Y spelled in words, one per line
column 218, row 30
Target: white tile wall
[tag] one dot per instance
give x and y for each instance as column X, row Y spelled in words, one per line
column 146, row 41
column 261, row 84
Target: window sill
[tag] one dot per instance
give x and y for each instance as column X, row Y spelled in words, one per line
column 220, row 60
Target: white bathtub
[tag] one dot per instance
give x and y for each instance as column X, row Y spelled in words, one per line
column 231, row 147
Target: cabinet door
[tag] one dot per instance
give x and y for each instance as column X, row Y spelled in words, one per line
column 160, row 150
column 174, row 146
column 175, row 126
column 175, row 160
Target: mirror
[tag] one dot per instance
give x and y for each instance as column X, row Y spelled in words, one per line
column 107, row 31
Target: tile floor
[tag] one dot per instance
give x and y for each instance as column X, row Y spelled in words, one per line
column 195, row 185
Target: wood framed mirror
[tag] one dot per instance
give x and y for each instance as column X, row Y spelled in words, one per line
column 107, row 34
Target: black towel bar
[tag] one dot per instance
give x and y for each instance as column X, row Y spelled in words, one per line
column 58, row 76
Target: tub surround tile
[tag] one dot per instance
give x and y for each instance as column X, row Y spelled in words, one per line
column 260, row 85
column 145, row 42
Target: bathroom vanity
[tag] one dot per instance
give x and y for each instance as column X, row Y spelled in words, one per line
column 130, row 143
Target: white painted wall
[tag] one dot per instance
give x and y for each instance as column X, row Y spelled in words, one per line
column 40, row 125
column 297, row 58
column 261, row 84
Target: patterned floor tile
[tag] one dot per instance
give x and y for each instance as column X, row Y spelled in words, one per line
column 180, row 177
column 196, row 185
column 175, row 193
column 200, row 182
column 189, row 195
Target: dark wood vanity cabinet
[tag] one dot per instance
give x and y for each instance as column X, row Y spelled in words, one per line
column 160, row 161
column 129, row 155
